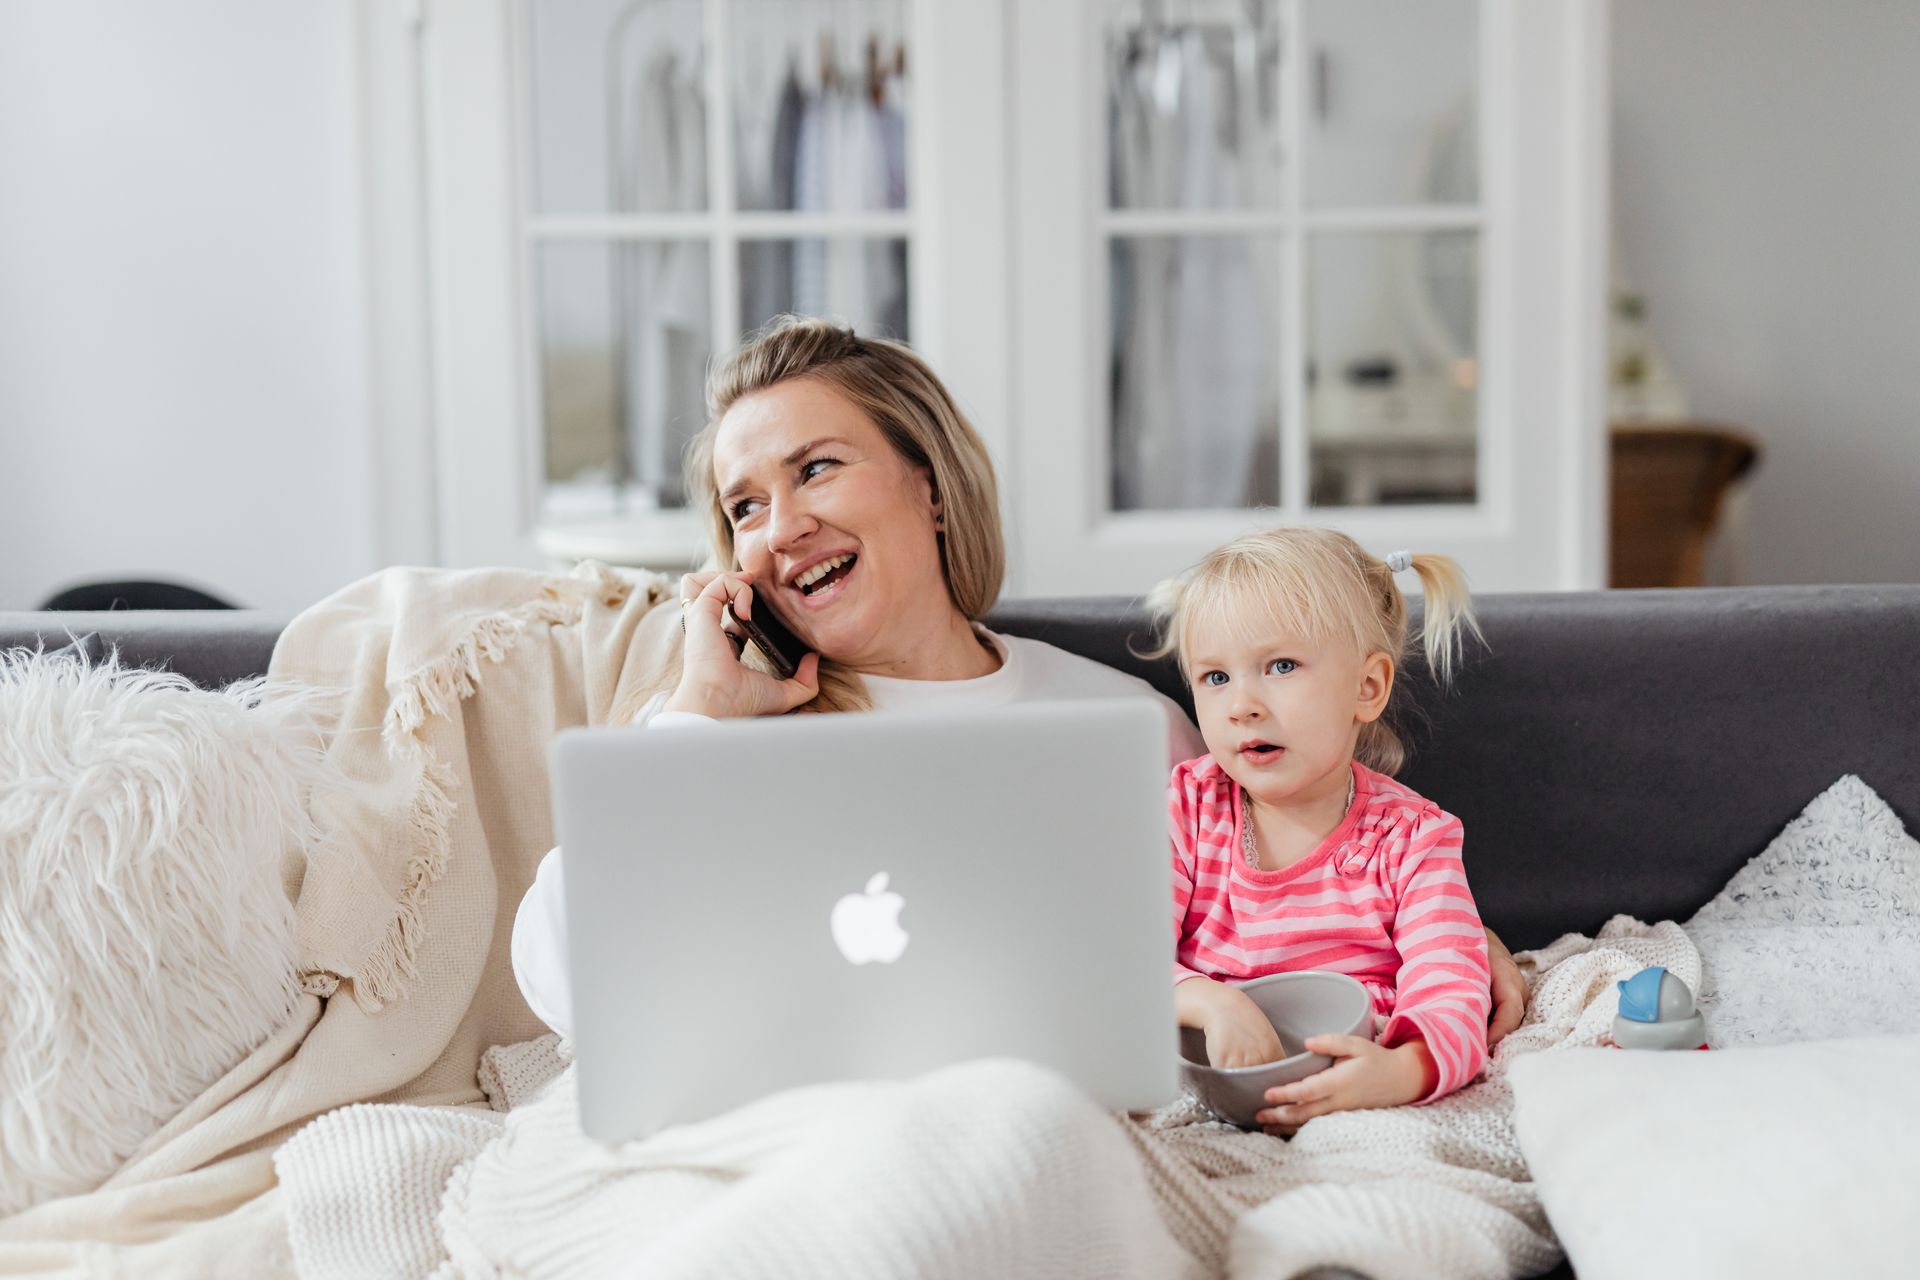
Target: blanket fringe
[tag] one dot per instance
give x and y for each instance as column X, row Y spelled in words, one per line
column 434, row 692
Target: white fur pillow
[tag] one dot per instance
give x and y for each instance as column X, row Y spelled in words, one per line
column 146, row 931
column 1818, row 936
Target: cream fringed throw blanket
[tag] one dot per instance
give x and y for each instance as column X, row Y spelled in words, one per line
column 988, row 1168
column 452, row 686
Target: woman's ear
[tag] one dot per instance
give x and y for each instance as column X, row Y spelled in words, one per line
column 1376, row 686
column 933, row 500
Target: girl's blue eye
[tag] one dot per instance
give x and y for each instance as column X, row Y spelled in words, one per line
column 1214, row 678
column 1283, row 666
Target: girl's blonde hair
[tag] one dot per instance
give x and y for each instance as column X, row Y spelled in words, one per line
column 904, row 398
column 1327, row 587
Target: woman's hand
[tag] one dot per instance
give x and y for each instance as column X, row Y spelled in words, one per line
column 1509, row 991
column 1363, row 1075
column 713, row 680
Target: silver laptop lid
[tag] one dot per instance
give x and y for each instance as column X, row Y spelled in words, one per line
column 759, row 904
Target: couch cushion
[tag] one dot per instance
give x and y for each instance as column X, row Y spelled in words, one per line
column 1628, row 751
column 212, row 648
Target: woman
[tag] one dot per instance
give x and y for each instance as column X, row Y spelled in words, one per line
column 845, row 489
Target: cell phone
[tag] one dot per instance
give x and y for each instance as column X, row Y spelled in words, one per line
column 773, row 638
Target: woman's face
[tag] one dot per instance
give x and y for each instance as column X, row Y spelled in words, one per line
column 834, row 525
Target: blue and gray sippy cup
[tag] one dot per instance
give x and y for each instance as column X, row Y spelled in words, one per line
column 1656, row 1012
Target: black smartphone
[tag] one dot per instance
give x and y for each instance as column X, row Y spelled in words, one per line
column 773, row 638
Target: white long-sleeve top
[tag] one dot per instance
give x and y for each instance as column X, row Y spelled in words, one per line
column 1030, row 671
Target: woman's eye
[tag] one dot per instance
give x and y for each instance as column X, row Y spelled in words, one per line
column 1214, row 679
column 811, row 469
column 743, row 508
column 1283, row 666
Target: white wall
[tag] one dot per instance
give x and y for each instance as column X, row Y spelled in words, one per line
column 1767, row 192
column 183, row 385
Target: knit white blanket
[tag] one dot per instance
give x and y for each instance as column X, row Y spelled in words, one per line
column 990, row 1168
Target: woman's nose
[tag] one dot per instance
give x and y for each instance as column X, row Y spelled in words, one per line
column 787, row 523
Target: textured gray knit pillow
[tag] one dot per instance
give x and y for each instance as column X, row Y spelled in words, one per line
column 1819, row 935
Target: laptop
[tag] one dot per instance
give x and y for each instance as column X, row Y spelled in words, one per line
column 758, row 904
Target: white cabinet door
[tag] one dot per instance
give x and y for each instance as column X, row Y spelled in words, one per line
column 1309, row 261
column 543, row 238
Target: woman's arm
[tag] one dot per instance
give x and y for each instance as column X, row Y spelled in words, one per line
column 540, row 947
column 1509, row 990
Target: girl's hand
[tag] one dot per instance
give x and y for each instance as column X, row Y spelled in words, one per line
column 1238, row 1034
column 713, row 680
column 1363, row 1075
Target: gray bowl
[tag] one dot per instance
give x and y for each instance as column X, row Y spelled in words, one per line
column 1298, row 1005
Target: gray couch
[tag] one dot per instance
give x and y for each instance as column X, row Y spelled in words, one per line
column 1608, row 752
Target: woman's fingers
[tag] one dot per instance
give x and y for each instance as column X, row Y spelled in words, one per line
column 716, row 592
column 1509, row 990
column 805, row 682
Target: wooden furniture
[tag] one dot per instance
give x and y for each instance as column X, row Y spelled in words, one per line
column 1669, row 484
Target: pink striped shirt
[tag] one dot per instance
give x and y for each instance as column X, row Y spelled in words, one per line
column 1384, row 899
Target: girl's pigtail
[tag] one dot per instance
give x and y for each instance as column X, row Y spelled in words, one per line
column 1448, row 615
column 1164, row 609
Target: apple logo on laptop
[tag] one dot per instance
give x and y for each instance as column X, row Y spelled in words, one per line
column 866, row 926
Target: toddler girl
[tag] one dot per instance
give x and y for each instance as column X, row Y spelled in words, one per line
column 1293, row 847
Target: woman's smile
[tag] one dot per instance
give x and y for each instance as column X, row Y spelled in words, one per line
column 820, row 583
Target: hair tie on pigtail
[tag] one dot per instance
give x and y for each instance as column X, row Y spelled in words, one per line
column 1399, row 561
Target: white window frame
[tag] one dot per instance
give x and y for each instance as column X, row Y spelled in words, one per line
column 452, row 76
column 1542, row 220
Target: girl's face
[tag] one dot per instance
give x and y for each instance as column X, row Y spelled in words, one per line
column 836, row 527
column 1282, row 714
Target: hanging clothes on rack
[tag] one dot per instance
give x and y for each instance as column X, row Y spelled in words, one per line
column 1195, row 381
column 663, row 319
column 849, row 155
column 767, row 266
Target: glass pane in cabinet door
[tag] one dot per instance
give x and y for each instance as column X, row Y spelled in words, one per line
column 858, row 282
column 1392, row 115
column 619, row 106
column 625, row 335
column 821, row 103
column 1393, row 366
column 1193, row 104
column 1194, row 369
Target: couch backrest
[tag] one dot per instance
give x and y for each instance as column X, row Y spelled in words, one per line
column 1628, row 751
column 1608, row 751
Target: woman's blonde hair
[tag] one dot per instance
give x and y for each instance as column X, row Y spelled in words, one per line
column 904, row 398
column 1325, row 586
